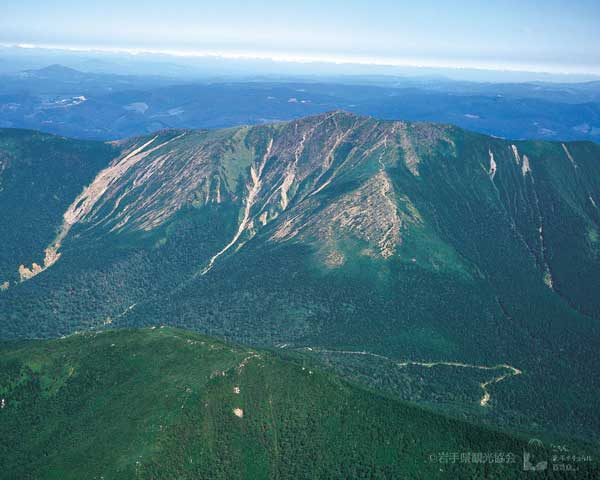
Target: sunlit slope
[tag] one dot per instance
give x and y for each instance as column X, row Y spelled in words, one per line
column 165, row 403
column 417, row 242
column 40, row 175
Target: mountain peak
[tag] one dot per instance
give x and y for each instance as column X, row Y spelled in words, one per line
column 291, row 176
column 55, row 72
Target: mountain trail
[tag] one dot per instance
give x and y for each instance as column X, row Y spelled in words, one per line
column 486, row 397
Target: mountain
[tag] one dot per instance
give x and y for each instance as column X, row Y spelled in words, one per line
column 55, row 72
column 442, row 266
column 67, row 102
column 165, row 403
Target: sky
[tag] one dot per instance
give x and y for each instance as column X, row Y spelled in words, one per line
column 543, row 35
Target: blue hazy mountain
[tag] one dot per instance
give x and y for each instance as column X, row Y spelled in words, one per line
column 103, row 106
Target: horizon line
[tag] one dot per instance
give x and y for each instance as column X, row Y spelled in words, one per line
column 336, row 60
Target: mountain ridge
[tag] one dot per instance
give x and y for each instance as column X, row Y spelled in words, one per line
column 224, row 411
column 420, row 243
column 411, row 160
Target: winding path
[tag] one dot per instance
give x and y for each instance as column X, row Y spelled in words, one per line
column 485, row 399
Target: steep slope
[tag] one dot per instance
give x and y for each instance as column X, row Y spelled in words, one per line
column 165, row 403
column 418, row 243
column 39, row 177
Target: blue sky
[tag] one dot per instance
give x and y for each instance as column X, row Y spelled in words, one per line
column 549, row 35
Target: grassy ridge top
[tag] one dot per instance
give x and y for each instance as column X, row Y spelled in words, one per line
column 166, row 403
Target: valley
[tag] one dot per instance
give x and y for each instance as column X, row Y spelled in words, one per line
column 485, row 399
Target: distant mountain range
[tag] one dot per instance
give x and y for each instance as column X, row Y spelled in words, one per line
column 194, row 65
column 64, row 101
column 442, row 266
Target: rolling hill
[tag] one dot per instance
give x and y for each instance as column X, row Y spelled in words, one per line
column 165, row 403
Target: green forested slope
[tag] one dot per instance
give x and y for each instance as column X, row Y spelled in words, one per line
column 163, row 403
column 40, row 175
column 416, row 242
